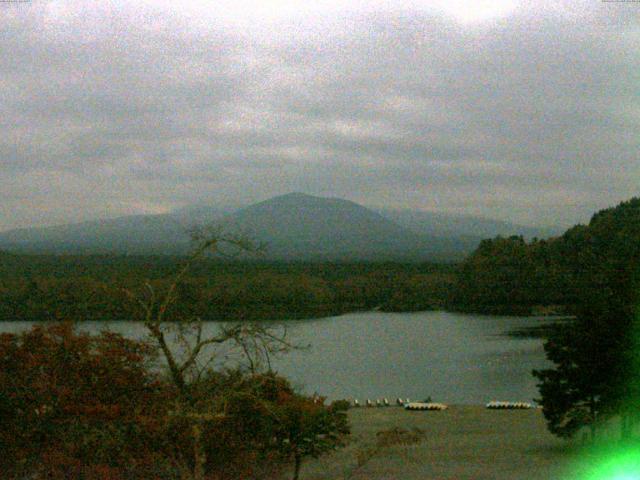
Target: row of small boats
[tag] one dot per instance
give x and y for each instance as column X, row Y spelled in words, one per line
column 428, row 405
column 384, row 402
column 496, row 405
column 425, row 406
column 406, row 403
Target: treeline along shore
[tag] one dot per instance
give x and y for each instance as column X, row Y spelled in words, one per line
column 512, row 276
column 48, row 287
column 503, row 276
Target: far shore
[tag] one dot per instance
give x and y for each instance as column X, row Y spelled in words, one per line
column 532, row 332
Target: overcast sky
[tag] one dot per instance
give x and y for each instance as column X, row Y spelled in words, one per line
column 497, row 108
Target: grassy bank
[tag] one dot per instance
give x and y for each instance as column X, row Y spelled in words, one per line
column 464, row 442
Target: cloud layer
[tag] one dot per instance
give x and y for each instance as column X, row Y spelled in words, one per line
column 483, row 107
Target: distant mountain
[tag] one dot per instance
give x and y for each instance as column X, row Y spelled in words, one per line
column 136, row 234
column 463, row 226
column 200, row 214
column 132, row 234
column 295, row 227
column 299, row 226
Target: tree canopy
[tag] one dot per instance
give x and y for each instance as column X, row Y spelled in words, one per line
column 596, row 357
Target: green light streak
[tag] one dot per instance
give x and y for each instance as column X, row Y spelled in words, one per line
column 616, row 459
column 621, row 463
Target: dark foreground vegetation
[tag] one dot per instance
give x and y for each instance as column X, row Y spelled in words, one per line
column 91, row 407
column 48, row 287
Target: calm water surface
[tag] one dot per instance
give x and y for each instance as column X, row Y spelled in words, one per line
column 452, row 357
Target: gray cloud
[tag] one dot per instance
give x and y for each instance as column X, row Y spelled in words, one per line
column 530, row 116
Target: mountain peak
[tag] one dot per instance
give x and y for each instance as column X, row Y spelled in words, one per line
column 300, row 199
column 299, row 196
column 295, row 195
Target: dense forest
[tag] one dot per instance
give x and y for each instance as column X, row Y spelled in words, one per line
column 510, row 275
column 48, row 287
column 596, row 357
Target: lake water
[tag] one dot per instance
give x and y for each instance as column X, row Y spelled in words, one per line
column 454, row 358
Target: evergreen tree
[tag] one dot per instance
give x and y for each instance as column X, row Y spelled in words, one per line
column 596, row 357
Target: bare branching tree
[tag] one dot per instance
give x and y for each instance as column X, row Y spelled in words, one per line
column 189, row 349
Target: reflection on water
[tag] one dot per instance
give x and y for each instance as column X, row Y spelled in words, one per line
column 455, row 358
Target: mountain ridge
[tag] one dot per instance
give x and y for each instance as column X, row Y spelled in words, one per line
column 297, row 226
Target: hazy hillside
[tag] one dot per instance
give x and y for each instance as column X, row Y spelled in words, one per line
column 134, row 234
column 295, row 226
column 463, row 226
column 200, row 214
column 131, row 234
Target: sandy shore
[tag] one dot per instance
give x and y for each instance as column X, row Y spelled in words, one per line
column 463, row 442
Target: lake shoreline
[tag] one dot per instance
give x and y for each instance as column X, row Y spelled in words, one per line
column 335, row 313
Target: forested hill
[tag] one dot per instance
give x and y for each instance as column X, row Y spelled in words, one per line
column 511, row 275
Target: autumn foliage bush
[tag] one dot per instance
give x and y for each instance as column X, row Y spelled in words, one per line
column 78, row 406
column 88, row 407
column 264, row 427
